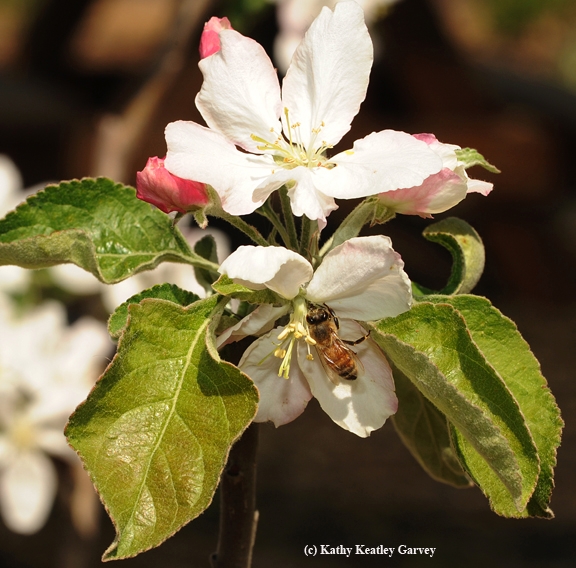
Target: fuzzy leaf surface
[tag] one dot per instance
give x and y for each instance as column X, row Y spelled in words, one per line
column 472, row 157
column 467, row 250
column 206, row 248
column 432, row 347
column 155, row 432
column 170, row 292
column 96, row 224
column 499, row 340
column 424, row 431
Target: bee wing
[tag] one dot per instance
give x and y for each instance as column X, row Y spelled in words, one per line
column 330, row 360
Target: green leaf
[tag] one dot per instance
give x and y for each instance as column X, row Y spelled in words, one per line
column 424, row 431
column 170, row 292
column 467, row 250
column 498, row 339
column 227, row 287
column 96, row 224
column 432, row 347
column 206, row 248
column 471, row 157
column 155, row 432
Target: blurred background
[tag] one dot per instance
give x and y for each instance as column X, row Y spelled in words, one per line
column 87, row 87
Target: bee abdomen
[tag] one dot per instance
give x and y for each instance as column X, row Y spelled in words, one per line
column 349, row 373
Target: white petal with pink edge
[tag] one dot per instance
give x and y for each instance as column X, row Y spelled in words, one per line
column 360, row 406
column 279, row 269
column 260, row 321
column 328, row 75
column 362, row 279
column 381, row 161
column 240, row 95
column 198, row 153
column 281, row 400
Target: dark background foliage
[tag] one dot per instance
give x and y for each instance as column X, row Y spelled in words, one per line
column 65, row 112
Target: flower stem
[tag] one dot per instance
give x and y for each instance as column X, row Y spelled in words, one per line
column 240, row 224
column 267, row 211
column 368, row 211
column 308, row 228
column 238, row 514
column 288, row 218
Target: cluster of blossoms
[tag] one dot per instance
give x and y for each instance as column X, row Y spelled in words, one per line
column 47, row 369
column 262, row 137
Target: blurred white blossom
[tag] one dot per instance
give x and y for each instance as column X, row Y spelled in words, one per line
column 46, row 369
column 295, row 16
column 76, row 280
column 12, row 278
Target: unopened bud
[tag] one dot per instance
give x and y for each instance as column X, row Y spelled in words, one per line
column 156, row 185
column 210, row 39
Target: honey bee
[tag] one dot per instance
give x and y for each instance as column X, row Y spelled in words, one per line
column 339, row 361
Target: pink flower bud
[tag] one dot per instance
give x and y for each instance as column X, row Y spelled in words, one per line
column 438, row 192
column 156, row 185
column 210, row 40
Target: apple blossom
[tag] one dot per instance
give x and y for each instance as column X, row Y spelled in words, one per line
column 258, row 141
column 156, row 185
column 360, row 280
column 440, row 191
column 47, row 368
column 210, row 40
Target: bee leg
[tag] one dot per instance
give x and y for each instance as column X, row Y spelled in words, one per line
column 357, row 341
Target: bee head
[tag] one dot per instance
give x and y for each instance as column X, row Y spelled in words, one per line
column 319, row 314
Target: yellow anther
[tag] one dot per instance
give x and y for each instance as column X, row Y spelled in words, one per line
column 285, row 333
column 280, row 353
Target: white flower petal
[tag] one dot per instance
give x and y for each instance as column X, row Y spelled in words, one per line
column 479, row 186
column 240, row 94
column 14, row 279
column 281, row 400
column 27, row 489
column 54, row 443
column 305, row 199
column 200, row 154
column 438, row 193
column 382, row 161
column 74, row 279
column 279, row 269
column 328, row 75
column 10, row 185
column 360, row 406
column 255, row 323
column 362, row 279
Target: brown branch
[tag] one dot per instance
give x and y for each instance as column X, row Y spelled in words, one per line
column 238, row 514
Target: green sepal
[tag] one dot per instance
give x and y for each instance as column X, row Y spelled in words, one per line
column 170, row 292
column 471, row 157
column 227, row 287
column 370, row 211
column 500, row 342
column 424, row 431
column 467, row 250
column 206, row 248
column 156, row 430
column 431, row 345
column 96, row 224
